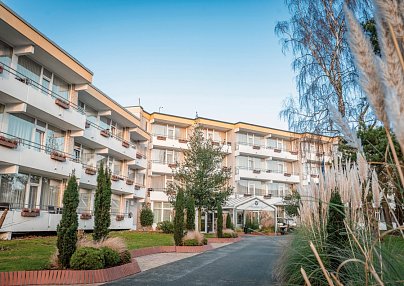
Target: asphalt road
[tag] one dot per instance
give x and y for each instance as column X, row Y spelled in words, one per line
column 248, row 262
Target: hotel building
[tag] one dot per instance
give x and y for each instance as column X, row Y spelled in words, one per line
column 54, row 122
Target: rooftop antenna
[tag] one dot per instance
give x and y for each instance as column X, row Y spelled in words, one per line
column 139, row 101
column 196, row 114
column 160, row 108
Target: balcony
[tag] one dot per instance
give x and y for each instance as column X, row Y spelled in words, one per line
column 107, row 144
column 140, row 192
column 266, row 175
column 139, row 163
column 28, row 156
column 317, row 157
column 266, row 152
column 162, row 141
column 160, row 167
column 21, row 94
column 121, row 185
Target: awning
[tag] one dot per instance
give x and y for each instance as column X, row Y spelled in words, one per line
column 250, row 204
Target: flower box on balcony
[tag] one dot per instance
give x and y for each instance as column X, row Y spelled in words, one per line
column 183, row 140
column 139, row 156
column 277, row 150
column 137, row 187
column 85, row 216
column 91, row 171
column 215, row 143
column 125, row 144
column 294, row 152
column 287, row 174
column 63, row 104
column 256, row 147
column 269, row 171
column 129, row 181
column 256, row 171
column 58, row 156
column 226, row 169
column 88, row 124
column 314, row 176
column 115, row 178
column 105, row 133
column 173, row 165
column 228, row 143
column 247, row 195
column 9, row 143
column 25, row 212
column 267, row 197
column 163, row 138
column 119, row 217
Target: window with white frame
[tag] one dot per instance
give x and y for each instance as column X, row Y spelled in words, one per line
column 84, row 202
column 162, row 211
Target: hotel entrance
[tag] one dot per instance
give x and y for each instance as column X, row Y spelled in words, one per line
column 208, row 222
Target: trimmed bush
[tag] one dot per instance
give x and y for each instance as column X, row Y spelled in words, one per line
column 190, row 207
column 219, row 221
column 125, row 257
column 205, row 241
column 87, row 258
column 166, row 226
column 190, row 242
column 179, row 217
column 227, row 235
column 111, row 257
column 229, row 224
column 146, row 217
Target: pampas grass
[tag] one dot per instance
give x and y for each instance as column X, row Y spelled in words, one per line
column 116, row 243
column 199, row 237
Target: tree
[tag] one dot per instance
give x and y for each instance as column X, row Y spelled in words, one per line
column 190, row 225
column 229, row 224
column 201, row 175
column 336, row 233
column 146, row 217
column 179, row 217
column 102, row 204
column 67, row 228
column 219, row 221
column 323, row 64
column 292, row 204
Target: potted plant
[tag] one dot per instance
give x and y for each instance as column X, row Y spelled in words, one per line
column 9, row 143
column 119, row 217
column 91, row 171
column 58, row 156
column 85, row 216
column 62, row 103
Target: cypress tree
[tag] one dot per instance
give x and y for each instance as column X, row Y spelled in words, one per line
column 67, row 228
column 179, row 218
column 102, row 204
column 229, row 224
column 336, row 233
column 190, row 225
column 219, row 221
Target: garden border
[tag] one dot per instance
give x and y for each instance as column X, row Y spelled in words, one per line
column 168, row 249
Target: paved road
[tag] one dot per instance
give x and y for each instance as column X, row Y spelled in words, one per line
column 248, row 262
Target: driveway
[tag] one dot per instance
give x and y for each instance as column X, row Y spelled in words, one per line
column 248, row 262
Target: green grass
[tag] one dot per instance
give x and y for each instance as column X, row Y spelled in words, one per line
column 33, row 253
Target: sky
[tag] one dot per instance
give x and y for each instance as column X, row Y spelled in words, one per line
column 219, row 58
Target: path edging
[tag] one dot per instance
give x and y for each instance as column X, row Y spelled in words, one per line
column 168, row 249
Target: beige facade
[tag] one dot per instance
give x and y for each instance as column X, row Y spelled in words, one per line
column 54, row 122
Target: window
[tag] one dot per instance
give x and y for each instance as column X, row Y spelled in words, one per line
column 50, row 192
column 46, row 80
column 115, row 206
column 12, row 189
column 160, row 129
column 84, row 202
column 55, row 139
column 28, row 68
column 60, row 87
column 5, row 53
column 162, row 211
column 242, row 138
column 21, row 126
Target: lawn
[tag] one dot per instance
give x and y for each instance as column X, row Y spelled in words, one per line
column 33, row 253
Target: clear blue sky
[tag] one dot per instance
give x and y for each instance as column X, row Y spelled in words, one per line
column 218, row 57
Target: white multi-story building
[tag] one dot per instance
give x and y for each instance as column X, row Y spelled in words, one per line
column 54, row 122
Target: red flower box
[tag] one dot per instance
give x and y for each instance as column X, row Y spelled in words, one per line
column 215, row 143
column 139, row 156
column 247, row 195
column 119, row 217
column 125, row 144
column 161, row 138
column 9, row 143
column 287, row 174
column 267, row 196
column 294, row 152
column 105, row 133
column 277, row 150
column 137, row 187
column 85, row 216
column 63, row 104
column 183, row 140
column 25, row 212
column 58, row 156
column 115, row 178
column 256, row 171
column 129, row 181
column 314, row 176
column 173, row 165
column 255, row 147
column 91, row 171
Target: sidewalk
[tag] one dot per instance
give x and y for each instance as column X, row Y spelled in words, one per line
column 155, row 260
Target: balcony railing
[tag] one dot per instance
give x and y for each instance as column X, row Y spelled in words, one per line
column 263, row 170
column 263, row 146
column 59, row 100
column 55, row 153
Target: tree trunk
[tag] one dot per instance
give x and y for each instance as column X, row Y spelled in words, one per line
column 199, row 218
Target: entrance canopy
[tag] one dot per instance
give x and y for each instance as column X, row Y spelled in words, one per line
column 249, row 204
